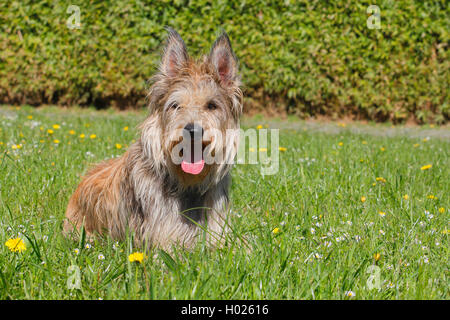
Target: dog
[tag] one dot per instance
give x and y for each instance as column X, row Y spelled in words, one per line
column 161, row 201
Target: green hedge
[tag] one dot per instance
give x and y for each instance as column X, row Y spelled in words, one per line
column 307, row 57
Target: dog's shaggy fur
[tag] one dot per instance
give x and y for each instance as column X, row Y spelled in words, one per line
column 144, row 191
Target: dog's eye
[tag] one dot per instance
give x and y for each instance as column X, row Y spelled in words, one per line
column 212, row 106
column 173, row 105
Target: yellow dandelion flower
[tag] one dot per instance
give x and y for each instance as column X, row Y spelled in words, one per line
column 16, row 146
column 282, row 149
column 30, row 117
column 377, row 256
column 93, row 136
column 381, row 179
column 263, row 149
column 276, row 231
column 136, row 257
column 118, row 146
column 441, row 210
column 445, row 231
column 56, row 141
column 50, row 131
column 72, row 132
column 52, row 163
column 432, row 197
column 82, row 136
column 363, row 199
column 340, row 144
column 16, row 245
column 56, row 126
column 259, row 126
column 343, row 125
column 382, row 149
column 364, row 142
column 426, row 167
column 416, row 145
column 125, row 128
column 381, row 213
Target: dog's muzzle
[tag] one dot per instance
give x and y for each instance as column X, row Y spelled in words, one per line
column 193, row 162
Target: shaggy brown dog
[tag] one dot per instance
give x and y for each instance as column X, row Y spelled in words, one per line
column 162, row 193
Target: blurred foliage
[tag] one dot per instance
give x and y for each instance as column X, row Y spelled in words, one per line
column 306, row 57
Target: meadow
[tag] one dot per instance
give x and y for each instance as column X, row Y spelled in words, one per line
column 356, row 211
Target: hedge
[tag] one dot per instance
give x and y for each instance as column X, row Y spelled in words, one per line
column 305, row 57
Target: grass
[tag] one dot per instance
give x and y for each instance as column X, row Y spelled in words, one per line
column 327, row 237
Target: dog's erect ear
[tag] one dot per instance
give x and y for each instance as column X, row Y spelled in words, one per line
column 223, row 59
column 175, row 54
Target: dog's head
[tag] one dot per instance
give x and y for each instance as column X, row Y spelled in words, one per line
column 195, row 106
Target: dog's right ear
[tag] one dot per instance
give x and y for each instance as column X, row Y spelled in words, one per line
column 175, row 54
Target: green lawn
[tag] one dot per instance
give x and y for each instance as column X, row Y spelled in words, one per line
column 310, row 232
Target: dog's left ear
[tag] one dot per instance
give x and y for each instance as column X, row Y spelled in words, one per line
column 223, row 59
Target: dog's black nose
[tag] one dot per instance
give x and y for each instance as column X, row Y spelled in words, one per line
column 194, row 129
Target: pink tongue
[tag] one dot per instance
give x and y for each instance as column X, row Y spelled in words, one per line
column 193, row 168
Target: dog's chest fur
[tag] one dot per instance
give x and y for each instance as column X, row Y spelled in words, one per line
column 161, row 215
